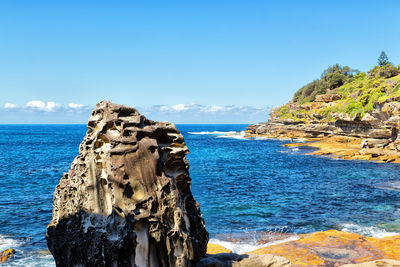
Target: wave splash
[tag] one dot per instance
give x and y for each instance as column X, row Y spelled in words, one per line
column 7, row 242
column 372, row 231
column 212, row 133
column 230, row 134
column 235, row 135
column 392, row 185
column 247, row 241
column 243, row 247
column 23, row 258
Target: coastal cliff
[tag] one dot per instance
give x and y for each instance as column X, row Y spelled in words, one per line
column 348, row 115
column 127, row 201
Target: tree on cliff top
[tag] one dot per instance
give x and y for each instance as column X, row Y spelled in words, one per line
column 383, row 59
column 336, row 76
column 333, row 77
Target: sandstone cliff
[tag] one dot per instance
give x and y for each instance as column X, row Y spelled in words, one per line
column 365, row 110
column 126, row 201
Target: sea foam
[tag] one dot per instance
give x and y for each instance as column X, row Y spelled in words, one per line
column 7, row 242
column 23, row 258
column 234, row 135
column 372, row 231
column 244, row 247
column 212, row 133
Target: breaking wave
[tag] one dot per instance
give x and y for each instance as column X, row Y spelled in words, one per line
column 212, row 133
column 372, row 231
column 244, row 247
column 7, row 242
column 23, row 258
column 235, row 135
column 392, row 185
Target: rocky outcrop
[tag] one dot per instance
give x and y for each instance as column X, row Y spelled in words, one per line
column 216, row 249
column 328, row 248
column 327, row 98
column 377, row 263
column 377, row 131
column 335, row 248
column 6, row 254
column 126, row 201
column 245, row 260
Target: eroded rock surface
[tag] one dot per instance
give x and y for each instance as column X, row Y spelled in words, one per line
column 244, row 260
column 335, row 248
column 377, row 263
column 126, row 200
column 377, row 132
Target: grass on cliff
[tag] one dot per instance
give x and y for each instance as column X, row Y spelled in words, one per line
column 357, row 94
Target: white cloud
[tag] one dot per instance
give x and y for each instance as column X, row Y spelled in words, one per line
column 42, row 106
column 163, row 108
column 35, row 104
column 10, row 106
column 202, row 109
column 216, row 109
column 197, row 113
column 179, row 113
column 75, row 106
column 51, row 106
column 180, row 107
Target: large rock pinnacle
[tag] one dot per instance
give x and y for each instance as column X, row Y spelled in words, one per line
column 126, row 200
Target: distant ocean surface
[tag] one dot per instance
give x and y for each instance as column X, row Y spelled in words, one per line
column 246, row 188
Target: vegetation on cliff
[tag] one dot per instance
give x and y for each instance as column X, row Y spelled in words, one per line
column 342, row 92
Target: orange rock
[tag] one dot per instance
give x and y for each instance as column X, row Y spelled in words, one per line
column 216, row 249
column 334, row 248
column 377, row 263
column 6, row 254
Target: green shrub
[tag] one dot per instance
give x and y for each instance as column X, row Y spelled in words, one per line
column 333, row 77
column 354, row 107
column 386, row 71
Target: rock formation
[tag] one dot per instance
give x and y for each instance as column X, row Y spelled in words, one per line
column 335, row 248
column 6, row 254
column 126, row 201
column 245, row 260
column 377, row 132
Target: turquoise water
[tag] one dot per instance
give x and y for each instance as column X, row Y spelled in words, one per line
column 243, row 186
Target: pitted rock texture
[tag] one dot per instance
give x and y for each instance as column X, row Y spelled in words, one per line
column 126, row 201
column 377, row 132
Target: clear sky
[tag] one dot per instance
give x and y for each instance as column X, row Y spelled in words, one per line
column 183, row 61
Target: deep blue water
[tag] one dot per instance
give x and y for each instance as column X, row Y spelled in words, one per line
column 241, row 185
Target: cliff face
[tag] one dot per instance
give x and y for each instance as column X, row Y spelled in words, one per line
column 366, row 109
column 382, row 123
column 126, row 200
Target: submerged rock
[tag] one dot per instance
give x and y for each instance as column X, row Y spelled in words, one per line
column 126, row 200
column 6, row 254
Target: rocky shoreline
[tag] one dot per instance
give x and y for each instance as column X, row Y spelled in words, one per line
column 345, row 138
column 328, row 248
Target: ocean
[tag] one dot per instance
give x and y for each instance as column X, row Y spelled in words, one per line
column 251, row 192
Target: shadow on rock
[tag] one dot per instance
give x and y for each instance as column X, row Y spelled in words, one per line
column 243, row 260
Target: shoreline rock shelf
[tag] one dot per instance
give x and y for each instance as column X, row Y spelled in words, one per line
column 329, row 248
column 344, row 138
column 126, row 201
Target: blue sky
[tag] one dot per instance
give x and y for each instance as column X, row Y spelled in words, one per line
column 182, row 61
